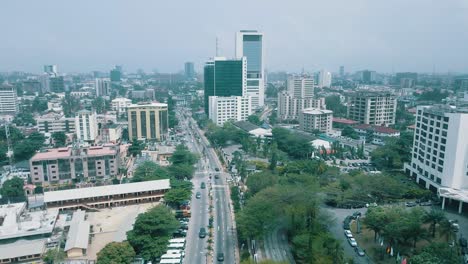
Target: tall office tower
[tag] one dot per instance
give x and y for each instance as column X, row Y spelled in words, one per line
column 439, row 156
column 103, row 87
column 372, row 108
column 461, row 84
column 51, row 70
column 148, row 121
column 116, row 74
column 298, row 96
column 324, row 79
column 249, row 44
column 57, row 84
column 86, row 126
column 8, row 99
column 342, row 71
column 189, row 70
column 368, row 77
column 224, row 77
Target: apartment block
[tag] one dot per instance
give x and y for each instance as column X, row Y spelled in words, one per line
column 53, row 122
column 312, row 119
column 8, row 99
column 232, row 108
column 86, row 126
column 290, row 107
column 61, row 165
column 120, row 105
column 372, row 108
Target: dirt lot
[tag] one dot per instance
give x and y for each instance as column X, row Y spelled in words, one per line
column 112, row 224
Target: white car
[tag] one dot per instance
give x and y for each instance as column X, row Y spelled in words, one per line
column 352, row 242
column 348, row 234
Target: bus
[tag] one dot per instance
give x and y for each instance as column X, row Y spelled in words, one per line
column 176, row 246
column 177, row 241
column 171, row 256
column 170, row 261
column 175, row 251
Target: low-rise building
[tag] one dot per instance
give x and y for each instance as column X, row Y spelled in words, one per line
column 54, row 122
column 120, row 105
column 107, row 196
column 62, row 165
column 312, row 119
column 375, row 134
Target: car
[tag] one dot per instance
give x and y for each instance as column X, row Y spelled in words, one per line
column 359, row 251
column 352, row 242
column 425, row 203
column 410, row 204
column 356, row 214
column 463, row 242
column 198, row 195
column 203, row 185
column 216, row 176
column 216, row 169
column 455, row 225
column 202, row 232
column 220, row 257
column 348, row 234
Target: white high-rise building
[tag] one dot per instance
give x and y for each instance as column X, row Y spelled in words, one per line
column 249, row 44
column 103, row 87
column 86, row 126
column 439, row 158
column 298, row 96
column 324, row 78
column 51, row 70
column 8, row 99
column 229, row 108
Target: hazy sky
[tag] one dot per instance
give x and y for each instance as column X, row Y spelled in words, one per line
column 86, row 35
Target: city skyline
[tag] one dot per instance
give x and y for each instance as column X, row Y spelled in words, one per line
column 163, row 36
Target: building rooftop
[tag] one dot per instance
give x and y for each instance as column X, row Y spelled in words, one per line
column 152, row 104
column 455, row 194
column 316, row 111
column 78, row 235
column 344, row 121
column 22, row 248
column 246, row 126
column 18, row 222
column 83, row 193
column 58, row 153
column 379, row 129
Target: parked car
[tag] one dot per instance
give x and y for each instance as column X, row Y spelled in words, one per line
column 203, row 185
column 356, row 214
column 429, row 203
column 410, row 204
column 352, row 242
column 198, row 195
column 359, row 251
column 348, row 234
column 455, row 225
column 216, row 169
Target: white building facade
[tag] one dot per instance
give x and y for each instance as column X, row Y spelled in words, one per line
column 86, row 126
column 120, row 104
column 8, row 100
column 231, row 108
column 249, row 44
column 324, row 79
column 316, row 119
column 103, row 87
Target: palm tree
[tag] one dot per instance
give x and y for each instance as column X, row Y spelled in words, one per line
column 445, row 229
column 433, row 217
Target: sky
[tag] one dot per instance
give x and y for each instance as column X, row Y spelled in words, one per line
column 382, row 35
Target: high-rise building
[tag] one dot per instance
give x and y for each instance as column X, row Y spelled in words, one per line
column 103, row 87
column 368, row 77
column 57, row 84
column 312, row 119
column 299, row 95
column 324, row 79
column 249, row 44
column 116, row 74
column 148, row 121
column 51, row 70
column 224, row 77
column 342, row 73
column 8, row 99
column 439, row 156
column 189, row 70
column 372, row 108
column 229, row 108
column 86, row 126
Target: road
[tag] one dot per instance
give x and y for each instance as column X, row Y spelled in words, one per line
column 225, row 239
column 276, row 247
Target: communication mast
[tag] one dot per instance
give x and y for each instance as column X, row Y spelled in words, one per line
column 10, row 149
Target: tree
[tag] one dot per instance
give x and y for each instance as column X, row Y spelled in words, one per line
column 433, row 217
column 182, row 155
column 149, row 171
column 60, row 138
column 254, row 119
column 181, row 171
column 436, row 253
column 53, row 256
column 333, row 103
column 175, row 197
column 116, row 252
column 136, row 148
column 375, row 220
column 273, row 160
column 349, row 132
column 152, row 231
column 99, row 104
column 12, row 188
column 259, row 181
column 24, row 119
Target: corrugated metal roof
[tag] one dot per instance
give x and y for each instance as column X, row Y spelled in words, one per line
column 22, row 248
column 78, row 235
column 90, row 192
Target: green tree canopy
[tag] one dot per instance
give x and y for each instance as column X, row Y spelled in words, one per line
column 60, row 138
column 182, row 155
column 152, row 231
column 254, row 119
column 116, row 253
column 12, row 188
